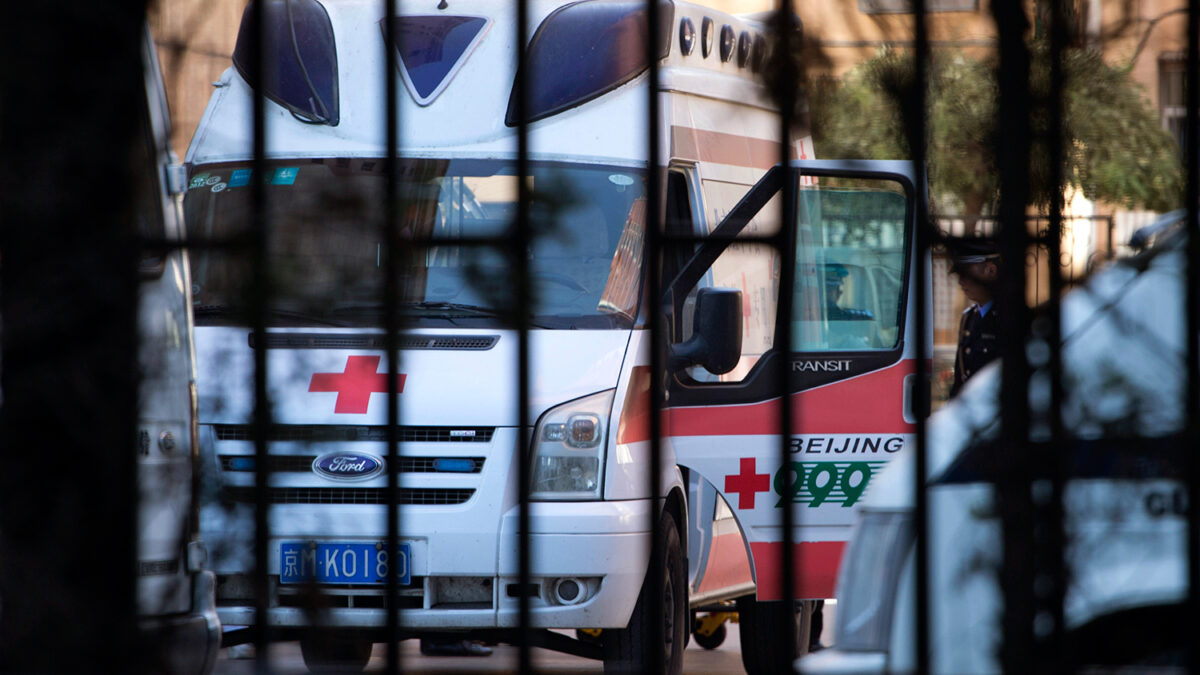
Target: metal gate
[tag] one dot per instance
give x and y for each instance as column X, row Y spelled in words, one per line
column 69, row 515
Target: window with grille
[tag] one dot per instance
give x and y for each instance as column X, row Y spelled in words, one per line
column 1172, row 108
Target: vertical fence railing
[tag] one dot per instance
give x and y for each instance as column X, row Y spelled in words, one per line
column 1030, row 503
column 260, row 295
column 1191, row 430
column 1012, row 489
column 391, row 324
column 655, row 183
column 520, row 257
column 915, row 118
column 1047, row 435
column 784, row 243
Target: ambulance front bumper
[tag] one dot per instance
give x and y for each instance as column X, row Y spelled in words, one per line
column 588, row 562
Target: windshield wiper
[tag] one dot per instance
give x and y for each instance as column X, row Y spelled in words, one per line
column 434, row 309
column 375, row 307
column 451, row 307
column 244, row 313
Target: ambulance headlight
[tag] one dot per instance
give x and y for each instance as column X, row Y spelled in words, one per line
column 867, row 585
column 568, row 449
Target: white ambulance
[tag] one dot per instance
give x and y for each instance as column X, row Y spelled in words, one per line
column 589, row 370
column 1125, row 502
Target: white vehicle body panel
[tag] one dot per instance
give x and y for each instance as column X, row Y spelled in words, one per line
column 1126, row 538
column 175, row 599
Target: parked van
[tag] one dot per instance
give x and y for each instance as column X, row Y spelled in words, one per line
column 1125, row 519
column 175, row 593
column 589, row 344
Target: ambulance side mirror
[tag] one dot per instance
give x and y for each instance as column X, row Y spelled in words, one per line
column 716, row 341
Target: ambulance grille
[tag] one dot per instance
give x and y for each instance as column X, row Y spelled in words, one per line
column 303, row 464
column 335, row 433
column 301, row 495
column 375, row 341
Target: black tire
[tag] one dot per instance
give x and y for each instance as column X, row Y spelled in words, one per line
column 762, row 626
column 712, row 641
column 625, row 650
column 335, row 654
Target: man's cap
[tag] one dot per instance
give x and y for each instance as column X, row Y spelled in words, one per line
column 976, row 250
column 835, row 274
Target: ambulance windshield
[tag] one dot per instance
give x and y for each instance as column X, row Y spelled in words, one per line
column 328, row 252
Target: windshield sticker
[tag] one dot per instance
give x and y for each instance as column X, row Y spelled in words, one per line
column 240, row 177
column 198, row 181
column 219, row 187
column 285, row 175
column 212, row 180
column 621, row 179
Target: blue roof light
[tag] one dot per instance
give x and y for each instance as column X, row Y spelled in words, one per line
column 432, row 49
column 300, row 58
column 587, row 49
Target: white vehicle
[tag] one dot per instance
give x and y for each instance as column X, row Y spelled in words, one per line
column 1124, row 502
column 175, row 598
column 589, row 373
column 175, row 595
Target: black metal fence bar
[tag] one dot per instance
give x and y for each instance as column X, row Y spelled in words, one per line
column 652, row 664
column 1032, row 478
column 260, row 297
column 1012, row 490
column 784, row 244
column 391, row 294
column 1192, row 396
column 1049, row 545
column 520, row 257
column 915, row 118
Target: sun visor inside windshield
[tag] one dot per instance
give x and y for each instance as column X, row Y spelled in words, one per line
column 300, row 58
column 584, row 50
column 432, row 49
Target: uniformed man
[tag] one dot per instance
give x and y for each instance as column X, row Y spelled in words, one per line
column 977, row 265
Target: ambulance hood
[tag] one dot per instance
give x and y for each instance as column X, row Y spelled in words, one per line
column 461, row 378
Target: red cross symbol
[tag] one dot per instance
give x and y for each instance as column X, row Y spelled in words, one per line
column 355, row 386
column 747, row 484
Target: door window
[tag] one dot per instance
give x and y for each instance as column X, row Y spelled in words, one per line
column 850, row 255
column 751, row 267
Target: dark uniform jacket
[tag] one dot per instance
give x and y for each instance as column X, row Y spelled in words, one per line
column 977, row 344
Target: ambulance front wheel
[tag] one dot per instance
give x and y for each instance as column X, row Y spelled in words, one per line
column 627, row 649
column 335, row 653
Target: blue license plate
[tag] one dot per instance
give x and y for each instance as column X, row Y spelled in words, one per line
column 304, row 562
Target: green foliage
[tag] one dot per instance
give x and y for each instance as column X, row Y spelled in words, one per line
column 1115, row 150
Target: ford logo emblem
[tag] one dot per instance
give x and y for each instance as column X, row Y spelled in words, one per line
column 348, row 466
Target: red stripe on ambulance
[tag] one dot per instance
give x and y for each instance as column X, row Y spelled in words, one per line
column 867, row 404
column 815, row 566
